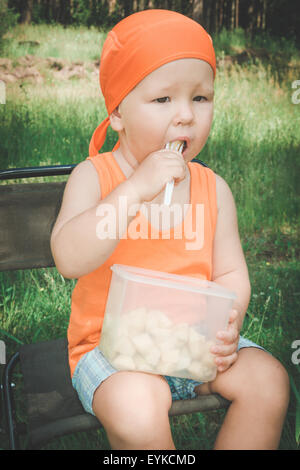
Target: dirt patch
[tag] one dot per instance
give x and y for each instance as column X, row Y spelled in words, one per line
column 37, row 69
column 63, row 71
column 278, row 61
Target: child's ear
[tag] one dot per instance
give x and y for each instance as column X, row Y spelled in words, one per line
column 116, row 120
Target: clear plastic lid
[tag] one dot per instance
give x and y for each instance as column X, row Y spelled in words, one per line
column 175, row 281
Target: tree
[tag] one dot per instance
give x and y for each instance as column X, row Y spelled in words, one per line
column 197, row 11
column 8, row 19
column 26, row 14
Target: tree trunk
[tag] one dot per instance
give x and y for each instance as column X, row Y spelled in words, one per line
column 206, row 15
column 237, row 5
column 197, row 11
column 232, row 15
column 221, row 15
column 251, row 18
column 127, row 4
column 27, row 12
column 111, row 6
column 64, row 12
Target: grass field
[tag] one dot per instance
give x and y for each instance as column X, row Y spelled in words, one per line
column 254, row 145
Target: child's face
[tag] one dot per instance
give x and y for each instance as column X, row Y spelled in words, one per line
column 175, row 102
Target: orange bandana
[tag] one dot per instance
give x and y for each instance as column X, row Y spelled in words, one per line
column 137, row 46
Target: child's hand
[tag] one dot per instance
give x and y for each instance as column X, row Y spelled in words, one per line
column 226, row 353
column 155, row 171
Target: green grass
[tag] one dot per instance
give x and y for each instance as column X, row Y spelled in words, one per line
column 72, row 43
column 81, row 43
column 254, row 145
column 236, row 41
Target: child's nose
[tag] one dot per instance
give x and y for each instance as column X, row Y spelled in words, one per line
column 184, row 114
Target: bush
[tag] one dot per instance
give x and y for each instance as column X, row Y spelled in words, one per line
column 8, row 19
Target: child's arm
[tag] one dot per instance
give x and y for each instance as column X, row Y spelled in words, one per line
column 75, row 246
column 230, row 270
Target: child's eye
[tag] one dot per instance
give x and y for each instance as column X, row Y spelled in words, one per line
column 164, row 99
column 199, row 98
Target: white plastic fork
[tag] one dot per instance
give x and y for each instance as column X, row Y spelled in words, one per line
column 176, row 145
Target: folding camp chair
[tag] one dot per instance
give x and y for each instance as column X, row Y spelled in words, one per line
column 27, row 214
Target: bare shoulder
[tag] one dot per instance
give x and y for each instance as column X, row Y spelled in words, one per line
column 225, row 199
column 82, row 185
column 82, row 191
column 228, row 254
column 84, row 177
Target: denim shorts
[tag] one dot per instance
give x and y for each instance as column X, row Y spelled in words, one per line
column 93, row 368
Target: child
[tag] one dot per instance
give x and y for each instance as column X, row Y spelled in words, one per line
column 157, row 77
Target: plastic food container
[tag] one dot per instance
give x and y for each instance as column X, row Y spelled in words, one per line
column 163, row 323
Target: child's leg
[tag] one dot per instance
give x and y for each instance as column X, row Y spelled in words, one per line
column 258, row 387
column 133, row 408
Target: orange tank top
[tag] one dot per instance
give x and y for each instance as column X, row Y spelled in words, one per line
column 176, row 253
